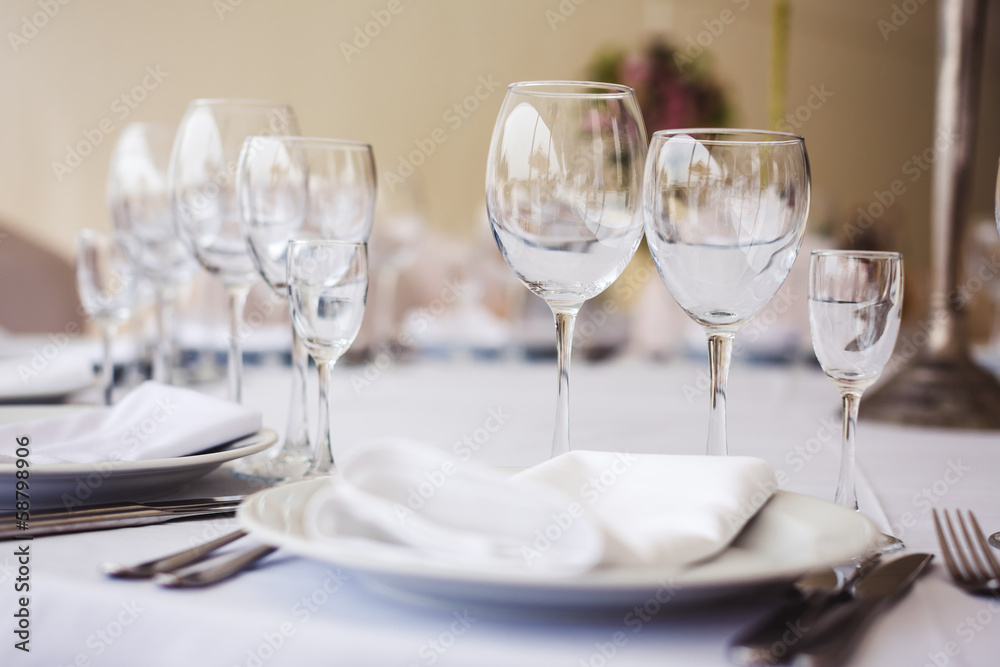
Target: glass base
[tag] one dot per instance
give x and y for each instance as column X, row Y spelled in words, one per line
column 888, row 544
column 281, row 469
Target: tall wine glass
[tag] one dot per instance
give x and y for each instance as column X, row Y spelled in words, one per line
column 563, row 179
column 725, row 211
column 855, row 303
column 327, row 289
column 139, row 202
column 202, row 185
column 296, row 188
column 106, row 281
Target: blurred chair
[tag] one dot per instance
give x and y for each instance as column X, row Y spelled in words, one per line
column 37, row 288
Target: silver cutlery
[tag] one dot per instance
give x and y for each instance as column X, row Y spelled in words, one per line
column 170, row 562
column 769, row 640
column 995, row 540
column 822, row 628
column 215, row 569
column 120, row 515
column 968, row 558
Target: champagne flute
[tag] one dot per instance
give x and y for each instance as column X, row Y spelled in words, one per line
column 106, row 281
column 139, row 202
column 296, row 188
column 725, row 212
column 563, row 179
column 327, row 289
column 202, row 182
column 855, row 302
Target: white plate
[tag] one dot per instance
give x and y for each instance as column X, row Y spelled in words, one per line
column 792, row 534
column 73, row 484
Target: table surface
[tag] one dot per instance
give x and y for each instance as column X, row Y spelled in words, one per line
column 292, row 611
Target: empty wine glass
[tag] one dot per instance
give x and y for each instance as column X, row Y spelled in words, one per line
column 106, row 282
column 202, row 181
column 296, row 188
column 139, row 202
column 725, row 211
column 855, row 302
column 563, row 179
column 327, row 289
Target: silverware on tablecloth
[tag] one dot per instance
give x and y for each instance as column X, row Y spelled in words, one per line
column 119, row 515
column 769, row 640
column 170, row 562
column 968, row 559
column 214, row 569
column 995, row 540
column 831, row 633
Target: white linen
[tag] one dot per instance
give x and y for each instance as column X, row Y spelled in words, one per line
column 31, row 376
column 154, row 421
column 565, row 516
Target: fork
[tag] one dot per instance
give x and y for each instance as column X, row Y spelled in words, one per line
column 969, row 560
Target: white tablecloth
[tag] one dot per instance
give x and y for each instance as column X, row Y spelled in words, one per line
column 296, row 612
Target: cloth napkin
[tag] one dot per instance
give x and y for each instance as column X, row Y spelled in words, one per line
column 154, row 421
column 32, row 376
column 400, row 499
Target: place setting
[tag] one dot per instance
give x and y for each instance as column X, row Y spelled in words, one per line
column 359, row 448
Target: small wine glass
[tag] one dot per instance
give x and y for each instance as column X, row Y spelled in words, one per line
column 327, row 289
column 725, row 212
column 298, row 188
column 855, row 302
column 106, row 281
column 563, row 179
column 202, row 182
column 139, row 203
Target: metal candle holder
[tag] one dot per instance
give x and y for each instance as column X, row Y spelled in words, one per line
column 941, row 385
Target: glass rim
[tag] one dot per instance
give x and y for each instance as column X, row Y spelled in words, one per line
column 612, row 90
column 787, row 137
column 858, row 254
column 311, row 141
column 236, row 101
column 326, row 242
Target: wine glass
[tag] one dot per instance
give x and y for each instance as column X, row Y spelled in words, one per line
column 855, row 302
column 725, row 211
column 139, row 202
column 563, row 179
column 295, row 188
column 106, row 282
column 202, row 182
column 327, row 289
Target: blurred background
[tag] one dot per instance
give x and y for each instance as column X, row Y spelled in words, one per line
column 855, row 77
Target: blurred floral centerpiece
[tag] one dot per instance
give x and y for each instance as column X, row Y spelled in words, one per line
column 673, row 90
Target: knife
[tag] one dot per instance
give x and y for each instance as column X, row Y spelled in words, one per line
column 832, row 640
column 116, row 515
column 771, row 640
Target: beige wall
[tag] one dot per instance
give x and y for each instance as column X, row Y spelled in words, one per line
column 434, row 53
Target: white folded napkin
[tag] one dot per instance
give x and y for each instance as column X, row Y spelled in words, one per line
column 32, row 376
column 154, row 421
column 578, row 511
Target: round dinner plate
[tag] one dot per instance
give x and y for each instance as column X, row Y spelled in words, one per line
column 73, row 484
column 792, row 534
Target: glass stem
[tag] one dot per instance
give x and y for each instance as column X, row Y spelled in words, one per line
column 237, row 302
column 720, row 354
column 108, row 365
column 565, row 321
column 323, row 459
column 164, row 334
column 846, row 494
column 297, row 430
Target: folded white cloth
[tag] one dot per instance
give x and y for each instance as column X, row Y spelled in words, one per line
column 154, row 421
column 32, row 376
column 403, row 500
